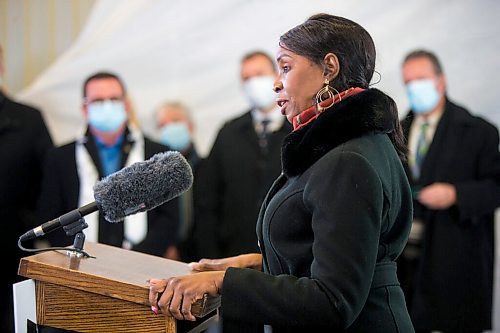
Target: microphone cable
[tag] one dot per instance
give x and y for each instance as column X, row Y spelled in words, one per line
column 55, row 248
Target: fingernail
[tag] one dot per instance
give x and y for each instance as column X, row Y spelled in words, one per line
column 154, row 309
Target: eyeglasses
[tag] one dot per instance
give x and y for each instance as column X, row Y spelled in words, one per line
column 102, row 100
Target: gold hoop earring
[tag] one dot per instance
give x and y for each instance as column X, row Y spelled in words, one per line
column 327, row 89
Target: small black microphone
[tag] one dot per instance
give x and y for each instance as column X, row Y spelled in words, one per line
column 61, row 221
column 137, row 188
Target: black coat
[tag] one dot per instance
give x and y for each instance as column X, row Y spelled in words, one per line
column 230, row 187
column 330, row 229
column 24, row 140
column 454, row 288
column 60, row 191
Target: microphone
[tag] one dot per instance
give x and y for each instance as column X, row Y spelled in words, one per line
column 143, row 185
column 61, row 221
column 137, row 188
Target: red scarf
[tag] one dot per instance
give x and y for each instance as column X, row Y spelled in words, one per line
column 308, row 115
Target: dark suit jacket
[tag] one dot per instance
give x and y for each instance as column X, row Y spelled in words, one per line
column 24, row 140
column 330, row 229
column 454, row 280
column 60, row 190
column 231, row 185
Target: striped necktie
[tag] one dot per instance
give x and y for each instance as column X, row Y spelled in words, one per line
column 264, row 135
column 422, row 148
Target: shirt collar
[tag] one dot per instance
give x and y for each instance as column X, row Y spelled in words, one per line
column 274, row 116
column 432, row 119
column 117, row 144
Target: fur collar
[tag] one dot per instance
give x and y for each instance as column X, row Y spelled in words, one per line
column 367, row 111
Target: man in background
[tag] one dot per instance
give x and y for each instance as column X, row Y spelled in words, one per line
column 242, row 164
column 110, row 142
column 446, row 269
column 24, row 140
column 176, row 128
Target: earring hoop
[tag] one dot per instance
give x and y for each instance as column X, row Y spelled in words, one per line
column 379, row 78
column 327, row 89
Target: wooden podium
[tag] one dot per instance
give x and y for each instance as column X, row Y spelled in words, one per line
column 108, row 293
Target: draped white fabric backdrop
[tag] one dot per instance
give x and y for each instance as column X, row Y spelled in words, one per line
column 190, row 51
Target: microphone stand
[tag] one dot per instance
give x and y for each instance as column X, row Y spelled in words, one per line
column 71, row 229
column 75, row 229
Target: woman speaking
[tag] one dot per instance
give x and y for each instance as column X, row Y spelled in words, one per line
column 333, row 224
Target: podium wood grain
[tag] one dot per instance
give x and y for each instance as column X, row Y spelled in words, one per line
column 108, row 293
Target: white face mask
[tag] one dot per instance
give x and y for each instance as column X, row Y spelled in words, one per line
column 259, row 90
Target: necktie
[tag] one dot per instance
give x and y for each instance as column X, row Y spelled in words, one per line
column 422, row 148
column 264, row 135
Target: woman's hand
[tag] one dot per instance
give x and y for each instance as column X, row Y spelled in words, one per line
column 175, row 296
column 251, row 260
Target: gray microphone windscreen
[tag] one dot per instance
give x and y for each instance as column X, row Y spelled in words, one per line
column 143, row 185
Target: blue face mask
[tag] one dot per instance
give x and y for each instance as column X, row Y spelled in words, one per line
column 107, row 116
column 423, row 95
column 176, row 136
